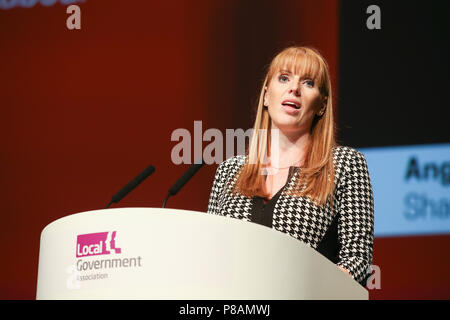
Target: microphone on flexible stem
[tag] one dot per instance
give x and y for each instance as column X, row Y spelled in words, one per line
column 183, row 180
column 131, row 185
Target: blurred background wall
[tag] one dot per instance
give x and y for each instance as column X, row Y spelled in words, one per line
column 394, row 107
column 84, row 111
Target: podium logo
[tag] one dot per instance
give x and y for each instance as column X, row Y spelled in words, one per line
column 94, row 244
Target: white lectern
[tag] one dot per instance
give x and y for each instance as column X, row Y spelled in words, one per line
column 153, row 253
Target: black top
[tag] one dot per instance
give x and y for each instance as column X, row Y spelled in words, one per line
column 262, row 213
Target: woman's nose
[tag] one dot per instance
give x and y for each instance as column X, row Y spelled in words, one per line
column 295, row 88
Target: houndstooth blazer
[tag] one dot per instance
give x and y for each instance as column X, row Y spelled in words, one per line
column 302, row 219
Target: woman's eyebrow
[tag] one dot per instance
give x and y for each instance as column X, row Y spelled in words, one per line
column 285, row 71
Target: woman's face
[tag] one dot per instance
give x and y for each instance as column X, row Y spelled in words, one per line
column 293, row 101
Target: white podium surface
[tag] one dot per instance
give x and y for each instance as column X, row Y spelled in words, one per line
column 155, row 253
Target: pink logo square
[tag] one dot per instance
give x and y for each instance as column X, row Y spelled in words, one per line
column 93, row 244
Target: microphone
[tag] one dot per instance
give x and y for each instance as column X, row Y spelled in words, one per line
column 183, row 180
column 131, row 185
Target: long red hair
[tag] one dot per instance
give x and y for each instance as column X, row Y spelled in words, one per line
column 316, row 178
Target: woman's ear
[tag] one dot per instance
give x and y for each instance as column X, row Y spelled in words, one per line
column 323, row 108
column 266, row 99
column 321, row 112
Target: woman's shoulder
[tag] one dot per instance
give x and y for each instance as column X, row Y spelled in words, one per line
column 345, row 151
column 347, row 157
column 229, row 168
column 232, row 164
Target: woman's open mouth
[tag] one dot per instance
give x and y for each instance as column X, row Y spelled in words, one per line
column 291, row 107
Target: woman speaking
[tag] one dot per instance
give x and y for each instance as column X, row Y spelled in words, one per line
column 294, row 177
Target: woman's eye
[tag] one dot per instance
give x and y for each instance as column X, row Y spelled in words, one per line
column 283, row 78
column 309, row 83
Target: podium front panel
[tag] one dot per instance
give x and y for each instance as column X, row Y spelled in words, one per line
column 153, row 253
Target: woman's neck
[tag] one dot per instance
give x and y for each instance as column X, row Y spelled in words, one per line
column 288, row 148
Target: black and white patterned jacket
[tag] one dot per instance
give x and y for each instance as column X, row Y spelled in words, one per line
column 302, row 219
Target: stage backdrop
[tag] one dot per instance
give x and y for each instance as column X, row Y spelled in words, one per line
column 84, row 111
